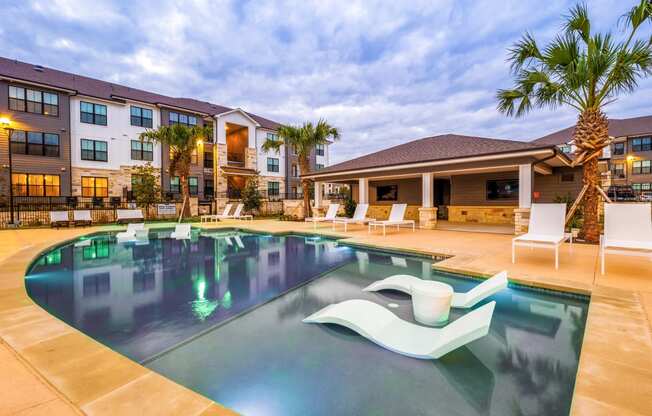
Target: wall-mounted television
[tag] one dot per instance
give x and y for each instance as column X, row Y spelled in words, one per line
column 387, row 193
column 502, row 189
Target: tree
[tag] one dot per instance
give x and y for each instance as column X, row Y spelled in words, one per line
column 251, row 197
column 182, row 141
column 585, row 71
column 146, row 188
column 304, row 139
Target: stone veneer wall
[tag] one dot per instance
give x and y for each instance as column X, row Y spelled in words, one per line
column 250, row 158
column 118, row 179
column 262, row 184
column 221, row 183
column 481, row 214
column 521, row 220
column 381, row 212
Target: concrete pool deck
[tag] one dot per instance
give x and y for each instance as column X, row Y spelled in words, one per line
column 48, row 367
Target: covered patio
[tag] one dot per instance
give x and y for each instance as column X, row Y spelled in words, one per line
column 468, row 183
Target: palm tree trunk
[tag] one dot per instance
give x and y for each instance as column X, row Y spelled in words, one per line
column 591, row 134
column 304, row 164
column 185, row 191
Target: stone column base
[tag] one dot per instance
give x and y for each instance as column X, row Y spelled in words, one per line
column 428, row 218
column 521, row 220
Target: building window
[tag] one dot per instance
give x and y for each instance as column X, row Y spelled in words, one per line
column 209, row 188
column 142, row 150
column 618, row 170
column 33, row 101
column 96, row 284
column 293, row 190
column 273, row 188
column 94, row 187
column 566, row 148
column 24, row 184
column 272, row 164
column 193, row 185
column 272, row 137
column 92, row 113
column 94, row 150
column 641, row 167
column 568, row 177
column 193, row 157
column 175, row 186
column 319, row 166
column 35, row 143
column 180, row 118
column 295, row 171
column 320, row 150
column 642, row 144
column 208, row 160
column 502, row 189
column 619, row 148
column 141, row 117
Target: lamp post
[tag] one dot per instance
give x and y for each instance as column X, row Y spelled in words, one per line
column 5, row 122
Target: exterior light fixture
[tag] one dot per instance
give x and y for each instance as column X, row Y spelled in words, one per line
column 630, row 158
column 5, row 122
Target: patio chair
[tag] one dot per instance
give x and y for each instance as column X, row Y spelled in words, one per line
column 181, row 232
column 216, row 217
column 225, row 214
column 59, row 218
column 404, row 283
column 627, row 231
column 129, row 215
column 359, row 217
column 82, row 217
column 396, row 217
column 382, row 327
column 546, row 230
column 238, row 215
column 134, row 231
column 331, row 214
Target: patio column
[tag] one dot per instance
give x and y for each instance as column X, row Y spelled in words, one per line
column 522, row 213
column 363, row 191
column 427, row 212
column 318, row 194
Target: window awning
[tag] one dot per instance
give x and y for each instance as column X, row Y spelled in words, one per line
column 236, row 171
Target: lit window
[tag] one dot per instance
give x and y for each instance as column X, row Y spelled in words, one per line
column 35, row 184
column 94, row 187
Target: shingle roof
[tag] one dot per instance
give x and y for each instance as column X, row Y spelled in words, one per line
column 443, row 147
column 617, row 128
column 107, row 90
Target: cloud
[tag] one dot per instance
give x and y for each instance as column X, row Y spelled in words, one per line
column 383, row 72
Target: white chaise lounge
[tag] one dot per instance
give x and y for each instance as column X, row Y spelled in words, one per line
column 59, row 218
column 382, row 327
column 627, row 231
column 396, row 217
column 359, row 217
column 82, row 217
column 217, row 217
column 545, row 230
column 129, row 215
column 404, row 283
column 134, row 231
column 238, row 215
column 181, row 232
column 331, row 214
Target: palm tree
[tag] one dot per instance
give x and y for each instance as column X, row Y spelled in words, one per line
column 182, row 141
column 303, row 139
column 586, row 71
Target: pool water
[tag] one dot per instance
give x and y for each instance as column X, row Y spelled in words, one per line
column 222, row 316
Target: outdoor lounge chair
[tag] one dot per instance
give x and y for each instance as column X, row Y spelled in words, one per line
column 359, row 217
column 396, row 217
column 546, row 230
column 237, row 214
column 382, row 327
column 181, row 232
column 216, row 217
column 404, row 283
column 627, row 231
column 225, row 214
column 82, row 217
column 129, row 215
column 135, row 231
column 59, row 218
column 331, row 214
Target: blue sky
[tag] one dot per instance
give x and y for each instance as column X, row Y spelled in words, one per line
column 383, row 72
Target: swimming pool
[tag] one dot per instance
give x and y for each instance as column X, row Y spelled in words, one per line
column 221, row 314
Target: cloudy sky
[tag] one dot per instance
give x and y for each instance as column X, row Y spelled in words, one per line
column 384, row 72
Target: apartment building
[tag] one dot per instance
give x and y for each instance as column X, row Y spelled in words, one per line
column 319, row 159
column 79, row 136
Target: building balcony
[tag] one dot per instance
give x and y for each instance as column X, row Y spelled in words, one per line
column 235, row 159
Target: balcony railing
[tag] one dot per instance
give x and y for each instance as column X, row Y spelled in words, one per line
column 235, row 159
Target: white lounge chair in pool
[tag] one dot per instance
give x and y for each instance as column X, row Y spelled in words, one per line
column 382, row 327
column 404, row 283
column 238, row 241
column 396, row 217
column 359, row 217
column 82, row 217
column 134, row 232
column 627, row 231
column 181, row 232
column 129, row 215
column 546, row 230
column 331, row 214
column 59, row 218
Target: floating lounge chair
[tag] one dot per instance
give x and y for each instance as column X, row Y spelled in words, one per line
column 134, row 231
column 546, row 230
column 404, row 283
column 82, row 217
column 331, row 214
column 359, row 217
column 129, row 215
column 627, row 231
column 59, row 218
column 181, row 232
column 396, row 217
column 382, row 327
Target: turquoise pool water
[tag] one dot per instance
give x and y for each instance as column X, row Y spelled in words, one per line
column 222, row 315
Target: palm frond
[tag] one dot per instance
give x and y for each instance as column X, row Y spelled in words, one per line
column 638, row 14
column 578, row 22
column 523, row 53
column 631, row 65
